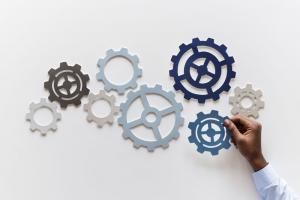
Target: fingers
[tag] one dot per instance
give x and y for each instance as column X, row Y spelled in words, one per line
column 242, row 120
column 236, row 135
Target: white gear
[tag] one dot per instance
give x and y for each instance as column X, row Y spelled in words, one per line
column 253, row 95
column 92, row 98
column 43, row 128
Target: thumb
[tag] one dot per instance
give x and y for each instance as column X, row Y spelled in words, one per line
column 233, row 129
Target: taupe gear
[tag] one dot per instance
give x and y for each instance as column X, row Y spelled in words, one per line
column 43, row 129
column 240, row 95
column 92, row 98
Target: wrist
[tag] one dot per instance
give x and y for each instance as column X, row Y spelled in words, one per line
column 257, row 163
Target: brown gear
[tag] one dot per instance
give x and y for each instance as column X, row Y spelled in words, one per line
column 69, row 96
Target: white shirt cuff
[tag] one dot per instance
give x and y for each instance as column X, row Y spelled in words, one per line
column 265, row 177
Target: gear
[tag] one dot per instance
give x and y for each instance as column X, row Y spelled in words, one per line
column 92, row 98
column 111, row 54
column 209, row 134
column 240, row 95
column 141, row 94
column 206, row 90
column 41, row 128
column 70, row 76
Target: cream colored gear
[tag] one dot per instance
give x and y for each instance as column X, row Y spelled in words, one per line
column 43, row 129
column 114, row 110
column 253, row 95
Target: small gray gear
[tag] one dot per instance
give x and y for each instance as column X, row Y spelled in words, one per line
column 111, row 100
column 133, row 59
column 253, row 95
column 41, row 128
column 141, row 94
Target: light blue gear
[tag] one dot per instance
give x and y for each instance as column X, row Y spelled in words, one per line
column 133, row 59
column 203, row 126
column 154, row 125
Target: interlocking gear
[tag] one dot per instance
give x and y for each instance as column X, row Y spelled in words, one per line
column 62, row 81
column 209, row 134
column 160, row 141
column 137, row 72
column 240, row 95
column 43, row 129
column 100, row 121
column 199, row 54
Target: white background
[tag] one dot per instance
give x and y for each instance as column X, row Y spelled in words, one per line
column 80, row 161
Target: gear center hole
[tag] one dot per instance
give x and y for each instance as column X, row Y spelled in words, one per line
column 101, row 108
column 43, row 116
column 246, row 102
column 118, row 71
column 151, row 117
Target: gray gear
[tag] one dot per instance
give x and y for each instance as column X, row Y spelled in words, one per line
column 159, row 141
column 137, row 72
column 92, row 98
column 34, row 125
column 247, row 92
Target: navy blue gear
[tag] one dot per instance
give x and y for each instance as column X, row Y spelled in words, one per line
column 211, row 126
column 202, row 70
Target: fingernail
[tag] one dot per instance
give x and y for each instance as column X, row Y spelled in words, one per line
column 226, row 122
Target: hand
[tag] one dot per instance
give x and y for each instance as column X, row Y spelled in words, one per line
column 246, row 136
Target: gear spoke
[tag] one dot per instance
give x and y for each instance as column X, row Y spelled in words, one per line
column 206, row 62
column 145, row 101
column 135, row 123
column 167, row 111
column 156, row 132
column 195, row 66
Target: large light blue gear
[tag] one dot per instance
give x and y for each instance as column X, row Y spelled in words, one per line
column 205, row 135
column 141, row 94
column 199, row 52
column 133, row 59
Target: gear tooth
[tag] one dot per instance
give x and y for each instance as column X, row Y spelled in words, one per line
column 171, row 94
column 140, row 72
column 181, row 121
column 227, row 88
column 129, row 96
column 259, row 93
column 124, row 50
column 174, row 59
column 109, row 52
column 215, row 97
column 63, row 105
column 187, row 97
column 86, row 107
column 214, row 152
column 176, row 86
column 165, row 146
column 200, row 115
column 200, row 149
column 261, row 104
column 223, row 47
column 121, row 91
column 77, row 103
column 195, row 41
column 135, row 58
column 226, row 145
column 210, row 41
column 47, row 85
column 77, row 67
column 43, row 100
column 86, row 77
column 249, row 87
column 51, row 72
column 237, row 90
column 158, row 87
column 89, row 118
column 150, row 148
column 230, row 60
column 32, row 128
column 136, row 145
column 171, row 72
column 182, row 47
column 54, row 127
column 28, row 117
column 32, row 106
column 63, row 64
column 232, row 74
column 214, row 113
column 107, row 88
column 100, row 125
column 144, row 87
column 120, row 121
column 191, row 125
column 231, row 100
column 100, row 63
column 201, row 100
column 134, row 85
column 125, row 136
column 58, row 116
